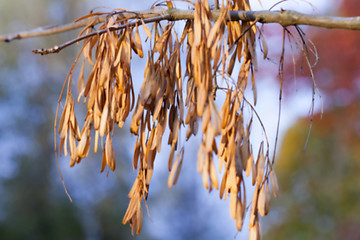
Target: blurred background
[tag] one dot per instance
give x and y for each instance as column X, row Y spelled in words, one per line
column 319, row 188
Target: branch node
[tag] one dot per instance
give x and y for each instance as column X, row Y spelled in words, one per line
column 43, row 51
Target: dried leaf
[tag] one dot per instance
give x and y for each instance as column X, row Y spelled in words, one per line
column 96, row 140
column 65, row 117
column 213, row 176
column 139, row 217
column 239, row 214
column 179, row 167
column 261, row 204
column 136, row 119
column 233, row 201
column 201, row 100
column 249, row 165
column 136, row 153
column 103, row 162
column 264, row 45
column 206, row 118
column 109, row 152
column 176, row 168
column 171, row 156
column 215, row 117
column 81, row 80
column 138, row 43
column 73, row 150
column 268, row 199
column 160, row 45
column 255, row 231
column 274, row 183
column 223, row 184
column 104, row 119
column 260, row 164
column 132, row 207
column 215, row 30
column 197, row 25
column 84, row 145
column 146, row 30
column 254, row 209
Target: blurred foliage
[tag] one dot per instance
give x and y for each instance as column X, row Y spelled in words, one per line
column 320, row 188
column 337, row 67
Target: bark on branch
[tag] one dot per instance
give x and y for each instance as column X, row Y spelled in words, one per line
column 284, row 18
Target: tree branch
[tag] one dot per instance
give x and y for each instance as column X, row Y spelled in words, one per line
column 287, row 18
column 284, row 18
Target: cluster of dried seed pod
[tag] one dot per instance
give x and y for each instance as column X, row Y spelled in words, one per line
column 108, row 92
column 213, row 48
column 160, row 103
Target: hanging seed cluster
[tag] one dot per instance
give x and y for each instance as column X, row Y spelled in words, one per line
column 174, row 99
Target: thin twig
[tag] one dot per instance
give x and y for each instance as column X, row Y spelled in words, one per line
column 305, row 50
column 281, row 72
column 56, row 49
column 314, row 88
column 51, row 30
column 54, row 29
